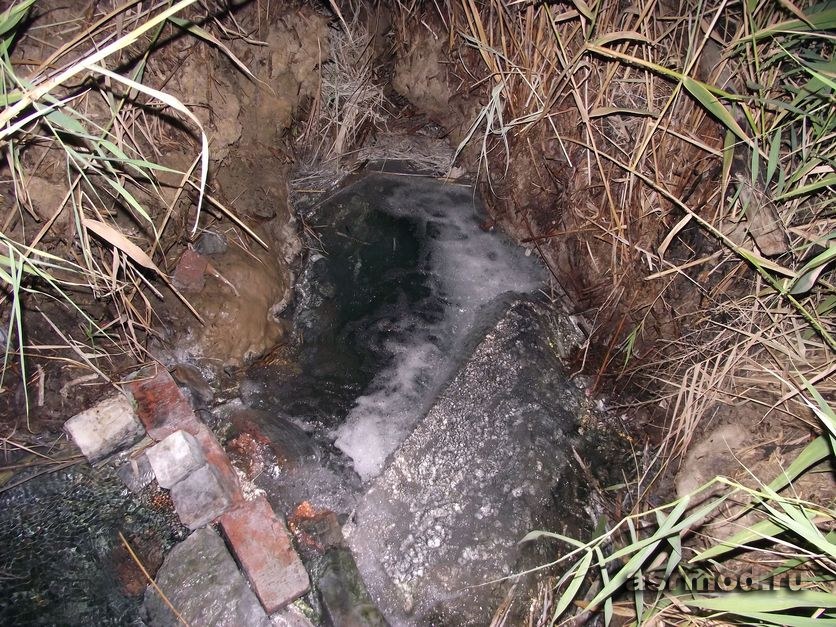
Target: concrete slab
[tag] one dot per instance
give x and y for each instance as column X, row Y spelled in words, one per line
column 480, row 470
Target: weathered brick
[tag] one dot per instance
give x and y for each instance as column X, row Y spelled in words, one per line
column 175, row 457
column 216, row 456
column 189, row 275
column 261, row 543
column 108, row 426
column 160, row 404
column 201, row 497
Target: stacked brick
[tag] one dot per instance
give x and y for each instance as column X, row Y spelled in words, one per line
column 187, row 459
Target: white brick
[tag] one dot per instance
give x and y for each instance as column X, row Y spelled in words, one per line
column 106, row 427
column 175, row 457
column 200, row 497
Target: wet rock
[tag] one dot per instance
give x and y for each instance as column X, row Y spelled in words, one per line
column 211, row 243
column 283, row 460
column 136, row 473
column 174, row 458
column 290, row 617
column 105, row 428
column 261, row 544
column 189, row 377
column 200, row 497
column 344, row 596
column 250, row 455
column 315, row 531
column 201, row 579
column 291, row 445
column 476, row 474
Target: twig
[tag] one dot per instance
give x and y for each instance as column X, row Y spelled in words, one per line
column 151, row 580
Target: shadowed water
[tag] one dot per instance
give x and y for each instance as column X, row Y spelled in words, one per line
column 400, row 272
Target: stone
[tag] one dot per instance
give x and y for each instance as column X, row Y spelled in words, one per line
column 261, row 544
column 344, row 596
column 136, row 473
column 189, row 275
column 173, row 458
column 291, row 445
column 480, row 470
column 109, row 426
column 316, row 531
column 160, row 404
column 201, row 497
column 211, row 243
column 202, row 581
column 290, row 617
column 190, row 377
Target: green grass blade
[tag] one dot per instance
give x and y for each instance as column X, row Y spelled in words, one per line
column 12, row 16
column 825, row 181
column 814, row 453
column 581, row 568
column 764, row 601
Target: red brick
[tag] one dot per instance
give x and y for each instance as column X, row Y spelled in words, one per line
column 189, row 273
column 163, row 409
column 216, row 456
column 160, row 404
column 261, row 543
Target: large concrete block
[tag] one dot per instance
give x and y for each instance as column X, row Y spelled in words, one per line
column 480, row 471
column 262, row 545
column 105, row 428
column 201, row 497
column 173, row 458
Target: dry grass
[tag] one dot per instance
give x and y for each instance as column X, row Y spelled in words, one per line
column 89, row 201
column 350, row 102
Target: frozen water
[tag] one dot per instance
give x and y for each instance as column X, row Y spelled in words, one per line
column 465, row 269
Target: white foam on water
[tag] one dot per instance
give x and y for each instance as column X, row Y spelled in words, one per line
column 472, row 268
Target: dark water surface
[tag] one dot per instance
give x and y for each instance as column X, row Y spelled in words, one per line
column 399, row 276
column 61, row 559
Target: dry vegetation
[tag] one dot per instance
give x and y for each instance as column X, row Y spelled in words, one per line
column 674, row 166
column 89, row 205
